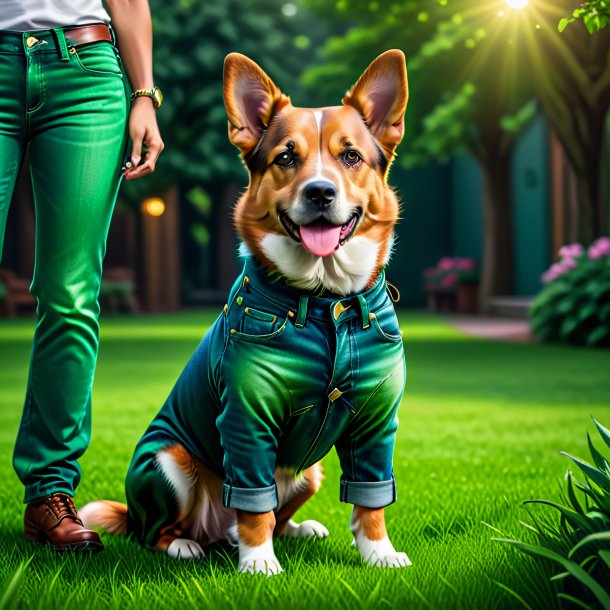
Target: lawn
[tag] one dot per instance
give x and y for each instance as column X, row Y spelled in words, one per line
column 482, row 424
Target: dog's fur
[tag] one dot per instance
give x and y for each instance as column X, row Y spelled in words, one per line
column 286, row 150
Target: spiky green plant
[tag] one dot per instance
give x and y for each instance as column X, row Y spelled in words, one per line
column 580, row 540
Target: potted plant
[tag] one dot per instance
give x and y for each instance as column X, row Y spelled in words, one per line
column 452, row 284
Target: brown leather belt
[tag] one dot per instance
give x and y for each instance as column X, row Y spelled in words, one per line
column 85, row 34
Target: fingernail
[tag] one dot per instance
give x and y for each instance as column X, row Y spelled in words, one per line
column 135, row 160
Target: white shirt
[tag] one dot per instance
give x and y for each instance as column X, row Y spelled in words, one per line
column 26, row 15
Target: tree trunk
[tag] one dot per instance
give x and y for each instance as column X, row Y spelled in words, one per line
column 592, row 222
column 496, row 268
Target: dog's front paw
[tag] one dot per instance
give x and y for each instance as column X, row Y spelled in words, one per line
column 307, row 529
column 269, row 566
column 182, row 548
column 381, row 553
column 258, row 559
column 391, row 560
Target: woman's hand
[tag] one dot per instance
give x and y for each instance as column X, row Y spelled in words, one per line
column 143, row 131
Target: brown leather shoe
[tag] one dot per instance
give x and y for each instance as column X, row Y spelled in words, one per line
column 54, row 520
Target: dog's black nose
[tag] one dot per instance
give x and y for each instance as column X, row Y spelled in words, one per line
column 320, row 193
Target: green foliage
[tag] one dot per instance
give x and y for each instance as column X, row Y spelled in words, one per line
column 580, row 540
column 462, row 62
column 191, row 40
column 447, row 130
column 574, row 307
column 595, row 14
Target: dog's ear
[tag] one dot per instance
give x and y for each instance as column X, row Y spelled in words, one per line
column 251, row 99
column 381, row 95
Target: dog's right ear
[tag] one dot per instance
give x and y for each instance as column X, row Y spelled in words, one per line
column 251, row 99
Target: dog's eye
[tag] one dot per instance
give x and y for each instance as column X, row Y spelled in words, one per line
column 351, row 157
column 284, row 159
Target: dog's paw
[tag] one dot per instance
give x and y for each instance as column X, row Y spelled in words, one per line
column 391, row 560
column 307, row 529
column 269, row 566
column 182, row 548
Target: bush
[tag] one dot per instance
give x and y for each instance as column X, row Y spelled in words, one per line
column 575, row 304
column 579, row 541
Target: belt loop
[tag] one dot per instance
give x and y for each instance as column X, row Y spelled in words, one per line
column 364, row 311
column 62, row 47
column 114, row 43
column 302, row 313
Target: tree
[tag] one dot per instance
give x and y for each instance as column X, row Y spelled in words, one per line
column 573, row 86
column 464, row 63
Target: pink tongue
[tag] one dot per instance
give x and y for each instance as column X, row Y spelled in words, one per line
column 320, row 239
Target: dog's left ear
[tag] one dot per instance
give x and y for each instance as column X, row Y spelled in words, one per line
column 381, row 95
column 251, row 99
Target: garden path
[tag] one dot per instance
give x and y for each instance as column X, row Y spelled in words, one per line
column 503, row 329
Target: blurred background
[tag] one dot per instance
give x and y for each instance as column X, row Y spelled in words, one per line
column 504, row 159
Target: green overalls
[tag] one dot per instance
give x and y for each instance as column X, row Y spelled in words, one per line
column 278, row 380
column 70, row 106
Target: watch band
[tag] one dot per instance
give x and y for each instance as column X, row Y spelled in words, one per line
column 154, row 94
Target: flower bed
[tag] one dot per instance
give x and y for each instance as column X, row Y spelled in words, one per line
column 574, row 306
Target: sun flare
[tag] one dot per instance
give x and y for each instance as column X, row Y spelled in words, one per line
column 517, row 4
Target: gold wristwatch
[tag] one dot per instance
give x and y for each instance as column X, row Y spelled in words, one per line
column 154, row 94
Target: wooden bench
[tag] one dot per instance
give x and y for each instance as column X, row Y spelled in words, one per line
column 118, row 290
column 16, row 292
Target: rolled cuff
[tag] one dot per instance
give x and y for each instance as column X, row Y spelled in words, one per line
column 369, row 494
column 254, row 499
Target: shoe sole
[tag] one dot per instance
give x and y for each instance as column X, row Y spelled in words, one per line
column 86, row 546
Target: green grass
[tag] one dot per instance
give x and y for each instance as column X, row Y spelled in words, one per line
column 481, row 428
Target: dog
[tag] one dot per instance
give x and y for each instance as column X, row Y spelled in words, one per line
column 307, row 353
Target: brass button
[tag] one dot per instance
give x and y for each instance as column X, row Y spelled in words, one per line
column 31, row 41
column 339, row 308
column 336, row 393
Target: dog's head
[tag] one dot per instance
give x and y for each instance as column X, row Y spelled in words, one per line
column 318, row 208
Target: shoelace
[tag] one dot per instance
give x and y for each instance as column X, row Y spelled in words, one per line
column 61, row 506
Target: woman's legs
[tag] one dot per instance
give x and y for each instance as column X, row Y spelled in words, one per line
column 77, row 134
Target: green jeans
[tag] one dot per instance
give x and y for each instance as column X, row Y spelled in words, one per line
column 70, row 105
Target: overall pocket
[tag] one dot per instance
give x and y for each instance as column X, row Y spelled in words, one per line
column 98, row 58
column 386, row 324
column 253, row 324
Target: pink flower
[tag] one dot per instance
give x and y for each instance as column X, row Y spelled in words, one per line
column 571, row 251
column 599, row 248
column 554, row 272
column 445, row 264
column 568, row 263
column 464, row 264
column 450, row 280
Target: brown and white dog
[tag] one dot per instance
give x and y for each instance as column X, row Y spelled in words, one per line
column 336, row 158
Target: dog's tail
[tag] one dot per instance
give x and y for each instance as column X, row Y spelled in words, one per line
column 110, row 516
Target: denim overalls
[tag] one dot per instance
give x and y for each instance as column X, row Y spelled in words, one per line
column 278, row 380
